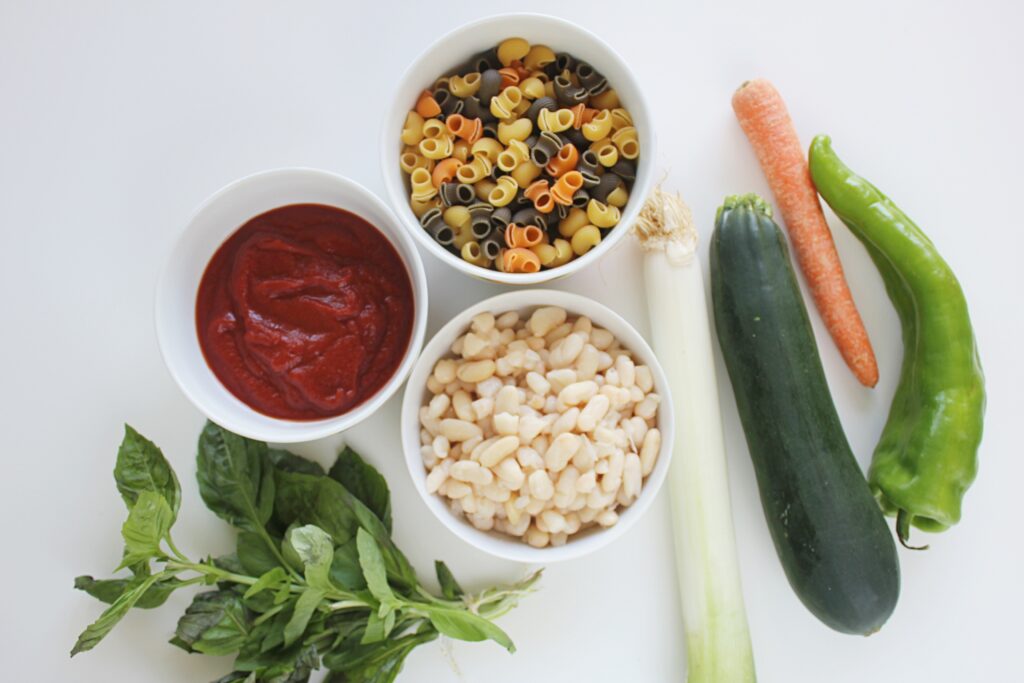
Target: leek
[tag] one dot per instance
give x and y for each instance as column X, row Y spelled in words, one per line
column 718, row 646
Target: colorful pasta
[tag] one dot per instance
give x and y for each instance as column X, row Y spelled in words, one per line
column 520, row 260
column 602, row 215
column 566, row 159
column 520, row 158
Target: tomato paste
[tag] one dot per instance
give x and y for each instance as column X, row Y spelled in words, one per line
column 305, row 312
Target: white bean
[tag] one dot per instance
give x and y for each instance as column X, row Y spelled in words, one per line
column 554, row 521
column 649, row 451
column 577, row 393
column 482, row 323
column 444, row 371
column 565, row 352
column 632, row 476
column 462, row 404
column 538, row 383
column 495, row 492
column 626, row 369
column 541, row 488
column 474, row 346
column 441, row 447
column 601, row 338
column 507, row 320
column 607, row 518
column 507, row 399
column 586, row 482
column 586, row 362
column 648, row 407
column 459, row 430
column 566, row 422
column 509, row 471
column 593, row 413
column 545, row 319
column 644, row 379
column 489, row 387
column 456, row 489
column 506, row 424
column 475, row 372
column 436, row 477
column 536, row 537
column 529, row 458
column 561, row 451
column 498, row 450
column 560, row 379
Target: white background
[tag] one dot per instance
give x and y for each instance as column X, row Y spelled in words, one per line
column 117, row 119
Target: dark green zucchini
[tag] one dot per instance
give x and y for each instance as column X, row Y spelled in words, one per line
column 829, row 532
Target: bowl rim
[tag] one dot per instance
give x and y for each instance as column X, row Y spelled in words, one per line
column 396, row 194
column 495, row 543
column 300, row 430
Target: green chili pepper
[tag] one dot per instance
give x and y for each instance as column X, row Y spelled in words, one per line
column 927, row 455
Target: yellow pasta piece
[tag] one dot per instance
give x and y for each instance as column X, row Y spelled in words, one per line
column 575, row 220
column 456, row 216
column 410, row 161
column 465, row 86
column 420, row 207
column 460, row 150
column 483, row 188
column 504, row 191
column 519, row 129
column 555, row 121
column 511, row 49
column 617, row 197
column 538, row 57
column 602, row 215
column 532, row 88
column 487, row 147
column 598, row 127
column 434, row 128
column 437, row 148
column 516, row 154
column 477, row 169
column 521, row 108
column 412, row 130
column 585, row 239
column 422, row 184
column 607, row 153
column 470, row 251
column 463, row 236
column 503, row 105
column 525, row 173
column 549, row 89
column 442, row 82
column 621, row 118
column 563, row 253
column 609, row 99
column 546, row 254
column 625, row 139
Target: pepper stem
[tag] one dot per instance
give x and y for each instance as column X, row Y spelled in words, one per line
column 903, row 519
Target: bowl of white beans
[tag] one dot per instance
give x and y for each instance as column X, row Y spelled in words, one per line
column 537, row 426
column 561, row 252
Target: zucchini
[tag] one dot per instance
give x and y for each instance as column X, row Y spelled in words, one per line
column 828, row 530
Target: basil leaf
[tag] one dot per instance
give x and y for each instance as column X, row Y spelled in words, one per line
column 463, row 625
column 307, row 603
column 345, row 569
column 329, row 505
column 254, row 555
column 148, row 523
column 109, row 590
column 228, row 563
column 354, row 659
column 450, row 588
column 314, row 548
column 371, row 560
column 98, row 630
column 374, row 632
column 364, row 482
column 216, row 623
column 289, row 462
column 238, row 677
column 270, row 579
column 235, row 479
column 141, row 466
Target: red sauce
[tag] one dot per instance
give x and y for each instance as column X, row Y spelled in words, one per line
column 305, row 312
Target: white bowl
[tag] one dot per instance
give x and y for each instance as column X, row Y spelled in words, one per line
column 453, row 49
column 416, row 395
column 213, row 222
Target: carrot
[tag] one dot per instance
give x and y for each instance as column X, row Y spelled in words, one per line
column 764, row 119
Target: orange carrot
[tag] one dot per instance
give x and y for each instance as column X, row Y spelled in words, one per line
column 763, row 117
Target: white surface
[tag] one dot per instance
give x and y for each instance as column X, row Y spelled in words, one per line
column 215, row 221
column 118, row 118
column 525, row 301
column 459, row 45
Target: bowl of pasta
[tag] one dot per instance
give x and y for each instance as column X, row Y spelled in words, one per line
column 518, row 149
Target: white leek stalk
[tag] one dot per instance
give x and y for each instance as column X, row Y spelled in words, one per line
column 717, row 638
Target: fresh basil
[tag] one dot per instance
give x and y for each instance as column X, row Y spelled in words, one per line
column 216, row 623
column 364, row 482
column 450, row 588
column 235, row 479
column 315, row 577
column 147, row 525
column 141, row 466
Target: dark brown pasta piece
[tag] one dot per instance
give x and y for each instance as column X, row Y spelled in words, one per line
column 500, row 218
column 588, row 163
column 450, row 104
column 490, row 85
column 453, row 194
column 594, row 82
column 538, row 105
column 530, row 216
column 472, row 108
column 493, row 243
column 547, row 146
column 575, row 137
column 609, row 181
column 565, row 62
column 480, row 219
column 625, row 169
column 580, row 198
column 434, row 224
column 567, row 94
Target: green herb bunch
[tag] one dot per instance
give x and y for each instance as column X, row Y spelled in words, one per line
column 315, row 578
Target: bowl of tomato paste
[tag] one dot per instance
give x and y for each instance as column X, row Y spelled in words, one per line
column 293, row 305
